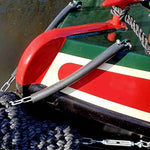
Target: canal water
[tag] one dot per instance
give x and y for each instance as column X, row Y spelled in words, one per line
column 20, row 22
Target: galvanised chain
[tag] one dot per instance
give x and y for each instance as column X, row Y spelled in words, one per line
column 4, row 88
column 7, row 84
column 110, row 142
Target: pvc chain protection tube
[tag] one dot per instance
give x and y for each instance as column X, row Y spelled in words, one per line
column 99, row 60
column 64, row 13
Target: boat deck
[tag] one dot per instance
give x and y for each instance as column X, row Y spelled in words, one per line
column 92, row 12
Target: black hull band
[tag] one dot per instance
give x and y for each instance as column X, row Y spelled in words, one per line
column 69, row 104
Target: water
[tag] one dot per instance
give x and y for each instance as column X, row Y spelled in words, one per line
column 20, row 22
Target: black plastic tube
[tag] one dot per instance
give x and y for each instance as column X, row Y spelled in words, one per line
column 99, row 60
column 63, row 14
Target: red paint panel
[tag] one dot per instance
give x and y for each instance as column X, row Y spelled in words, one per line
column 122, row 89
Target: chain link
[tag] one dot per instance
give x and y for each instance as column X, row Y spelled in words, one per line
column 7, row 84
column 21, row 101
column 110, row 142
column 142, row 143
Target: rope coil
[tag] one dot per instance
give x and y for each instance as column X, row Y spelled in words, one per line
column 18, row 130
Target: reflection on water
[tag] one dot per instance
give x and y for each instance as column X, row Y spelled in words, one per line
column 20, row 22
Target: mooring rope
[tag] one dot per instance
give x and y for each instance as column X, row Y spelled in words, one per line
column 18, row 130
column 134, row 26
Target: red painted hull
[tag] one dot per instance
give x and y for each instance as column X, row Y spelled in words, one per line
column 112, row 86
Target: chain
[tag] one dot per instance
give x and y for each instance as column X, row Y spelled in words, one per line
column 110, row 142
column 4, row 88
column 21, row 101
column 7, row 84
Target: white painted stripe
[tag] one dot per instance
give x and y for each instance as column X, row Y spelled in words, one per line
column 135, row 113
column 51, row 76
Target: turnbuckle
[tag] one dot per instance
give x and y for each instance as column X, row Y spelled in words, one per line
column 110, row 142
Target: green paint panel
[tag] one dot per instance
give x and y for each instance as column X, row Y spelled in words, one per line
column 99, row 14
column 91, row 46
column 91, row 3
column 136, row 61
column 87, row 15
column 81, row 49
column 90, row 51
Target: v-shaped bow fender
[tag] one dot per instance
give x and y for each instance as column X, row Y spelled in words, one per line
column 41, row 52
